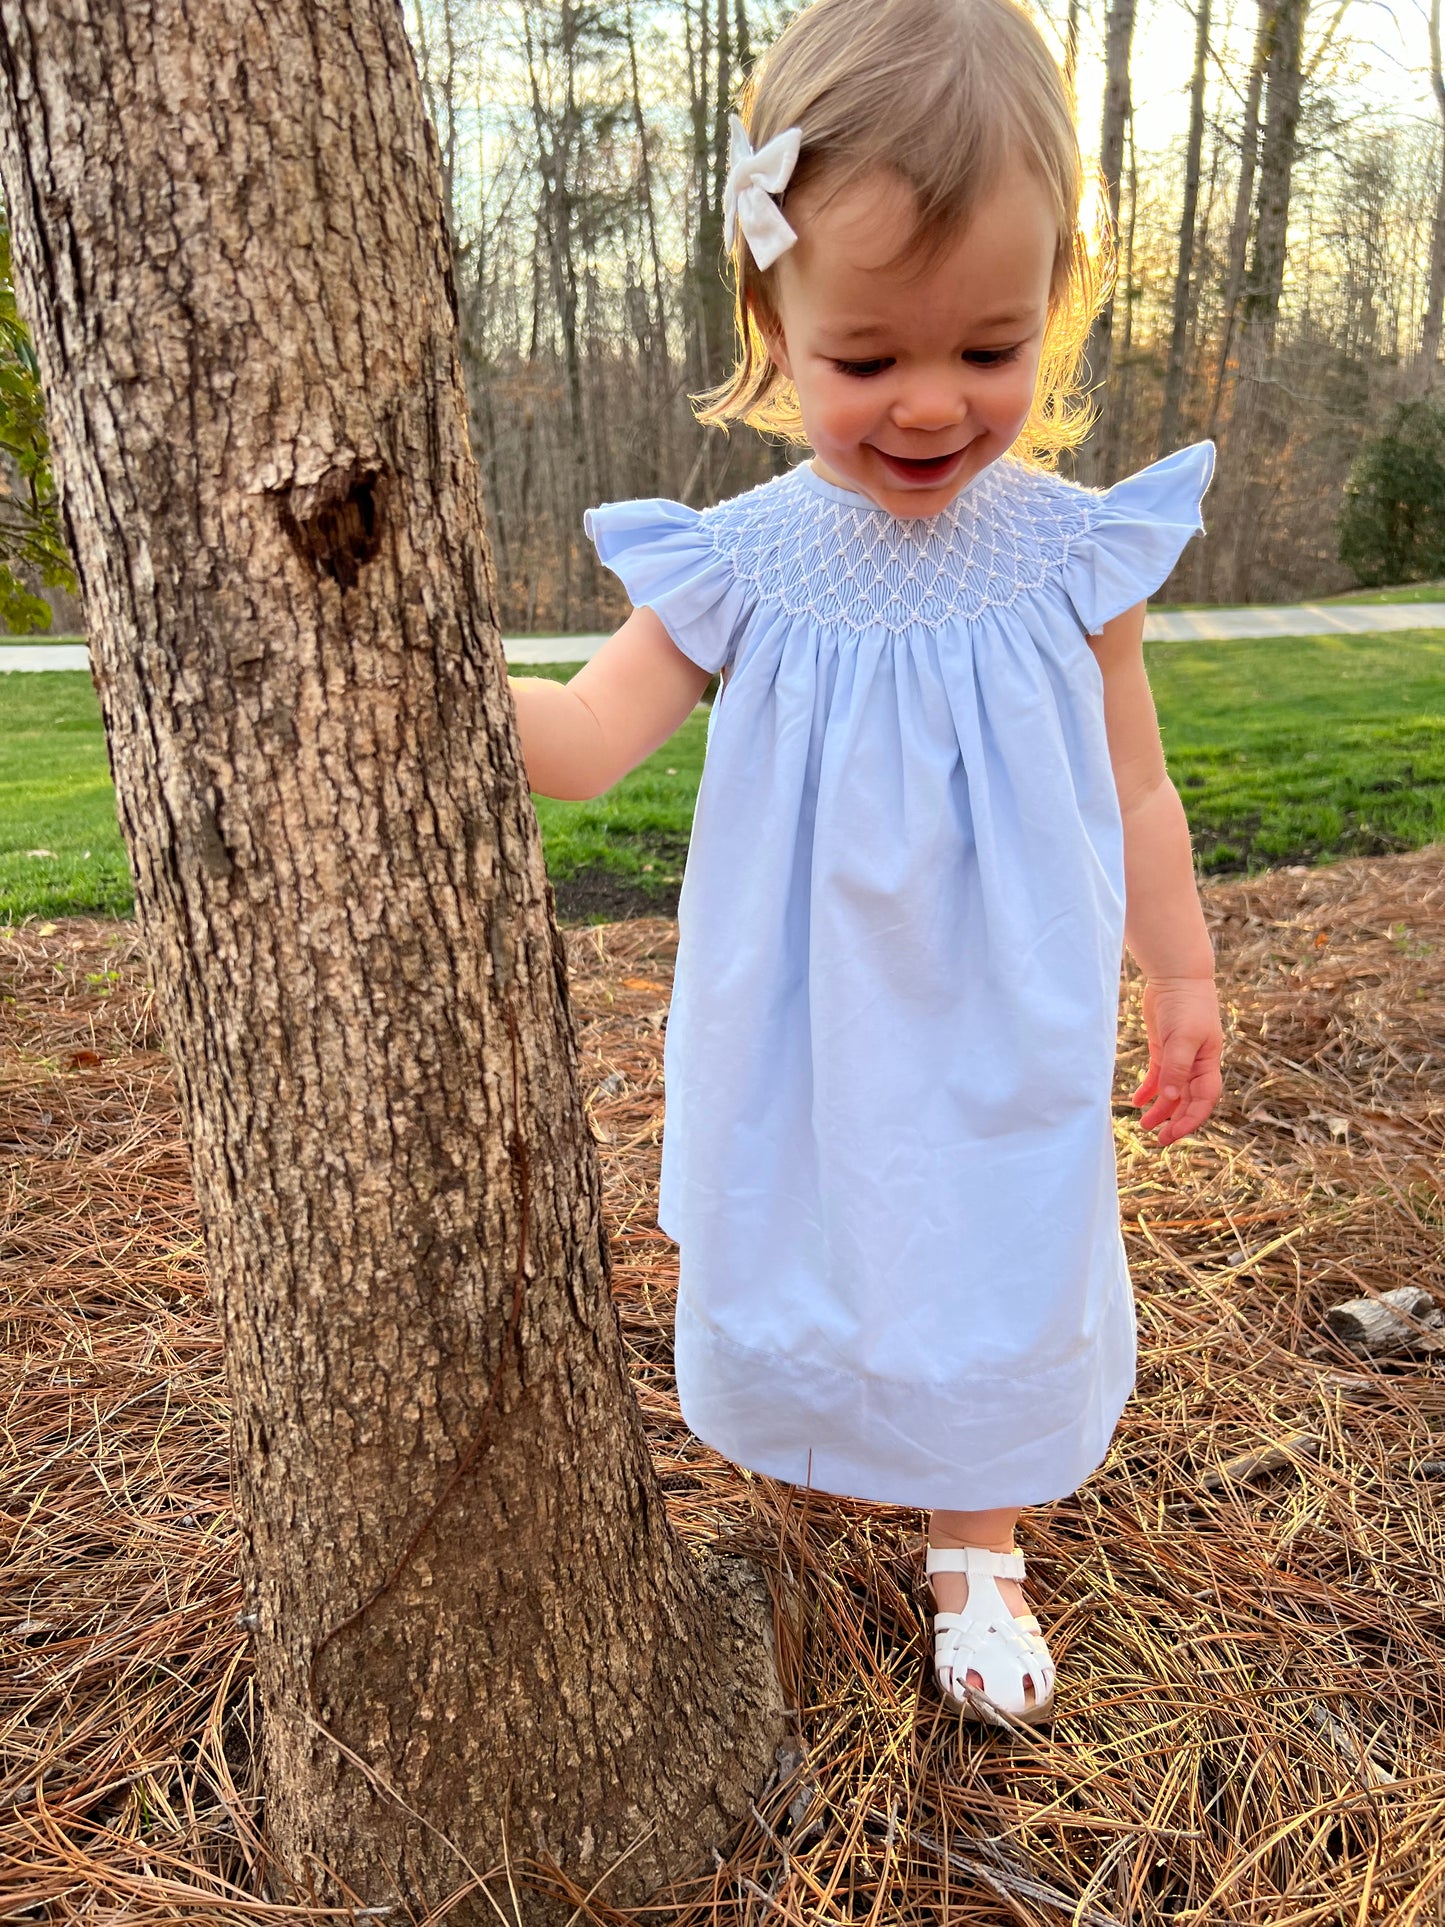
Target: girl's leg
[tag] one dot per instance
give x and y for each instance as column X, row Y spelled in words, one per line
column 992, row 1529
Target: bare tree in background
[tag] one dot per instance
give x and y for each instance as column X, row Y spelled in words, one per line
column 1071, row 45
column 714, row 72
column 588, row 249
column 647, row 291
column 1257, row 427
column 652, row 322
column 1239, row 229
column 1096, row 457
column 564, row 114
column 1184, row 263
column 1435, row 297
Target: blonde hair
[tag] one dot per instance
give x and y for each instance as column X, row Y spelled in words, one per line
column 945, row 93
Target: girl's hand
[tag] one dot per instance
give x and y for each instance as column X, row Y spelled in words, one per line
column 1181, row 1016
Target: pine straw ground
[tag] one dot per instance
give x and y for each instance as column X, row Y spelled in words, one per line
column 1251, row 1722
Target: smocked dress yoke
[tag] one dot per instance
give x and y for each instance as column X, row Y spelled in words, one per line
column 888, row 1154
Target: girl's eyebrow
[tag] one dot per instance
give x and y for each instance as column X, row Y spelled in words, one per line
column 871, row 330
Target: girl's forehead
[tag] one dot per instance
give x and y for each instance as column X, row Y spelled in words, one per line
column 846, row 267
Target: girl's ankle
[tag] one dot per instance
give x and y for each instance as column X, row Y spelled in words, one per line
column 995, row 1530
column 1006, row 1546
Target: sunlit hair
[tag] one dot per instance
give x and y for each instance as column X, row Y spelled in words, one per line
column 948, row 94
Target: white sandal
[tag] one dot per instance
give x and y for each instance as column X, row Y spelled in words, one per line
column 1004, row 1649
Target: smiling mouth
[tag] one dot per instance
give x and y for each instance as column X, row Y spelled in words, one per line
column 919, row 468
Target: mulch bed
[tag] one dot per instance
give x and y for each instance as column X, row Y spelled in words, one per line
column 1251, row 1715
column 595, row 895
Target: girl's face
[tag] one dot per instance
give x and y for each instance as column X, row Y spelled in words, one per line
column 911, row 382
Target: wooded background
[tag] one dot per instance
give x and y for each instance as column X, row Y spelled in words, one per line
column 1281, row 264
column 1276, row 173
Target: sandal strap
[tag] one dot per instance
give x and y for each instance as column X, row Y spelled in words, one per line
column 1006, row 1654
column 998, row 1565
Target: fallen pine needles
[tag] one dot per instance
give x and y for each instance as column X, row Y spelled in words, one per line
column 1247, row 1601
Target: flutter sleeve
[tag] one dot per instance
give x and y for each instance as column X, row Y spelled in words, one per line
column 663, row 554
column 1137, row 531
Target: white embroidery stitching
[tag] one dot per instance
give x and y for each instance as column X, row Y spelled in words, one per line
column 854, row 565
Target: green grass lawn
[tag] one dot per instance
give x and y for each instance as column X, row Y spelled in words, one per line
column 60, row 849
column 1291, row 750
column 1411, row 592
column 1303, row 749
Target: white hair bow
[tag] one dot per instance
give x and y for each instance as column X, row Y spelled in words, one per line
column 753, row 178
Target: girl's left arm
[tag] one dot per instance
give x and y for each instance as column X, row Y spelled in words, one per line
column 1164, row 924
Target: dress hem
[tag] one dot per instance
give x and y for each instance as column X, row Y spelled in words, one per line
column 951, row 1446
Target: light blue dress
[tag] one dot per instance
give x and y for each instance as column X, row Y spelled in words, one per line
column 888, row 1154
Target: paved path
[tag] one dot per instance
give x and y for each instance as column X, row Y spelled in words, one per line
column 1304, row 619
column 44, row 655
column 1193, row 625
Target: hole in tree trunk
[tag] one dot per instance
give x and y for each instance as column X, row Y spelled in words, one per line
column 335, row 524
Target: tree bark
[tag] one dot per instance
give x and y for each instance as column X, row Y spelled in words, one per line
column 470, row 1610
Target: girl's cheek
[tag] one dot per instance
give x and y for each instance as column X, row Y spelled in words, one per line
column 849, row 405
column 1015, row 401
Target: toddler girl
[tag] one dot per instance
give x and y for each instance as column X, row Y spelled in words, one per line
column 933, row 784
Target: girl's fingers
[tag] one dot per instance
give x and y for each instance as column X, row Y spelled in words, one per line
column 1150, row 1084
column 1171, row 1088
column 1200, row 1095
column 1188, row 1120
column 1147, row 1089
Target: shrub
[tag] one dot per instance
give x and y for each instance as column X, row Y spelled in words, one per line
column 1392, row 527
column 29, row 514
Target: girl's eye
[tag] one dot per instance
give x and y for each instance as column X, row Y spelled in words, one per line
column 978, row 357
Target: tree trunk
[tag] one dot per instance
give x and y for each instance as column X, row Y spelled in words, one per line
column 1122, row 413
column 710, row 304
column 470, row 1610
column 1259, row 426
column 743, row 40
column 659, row 367
column 1096, row 455
column 1184, row 267
column 1071, row 48
column 1435, row 293
column 558, row 132
column 1243, row 204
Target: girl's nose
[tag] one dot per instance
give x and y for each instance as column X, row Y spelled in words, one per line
column 930, row 402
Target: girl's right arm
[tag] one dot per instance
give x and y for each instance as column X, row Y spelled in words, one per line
column 581, row 737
